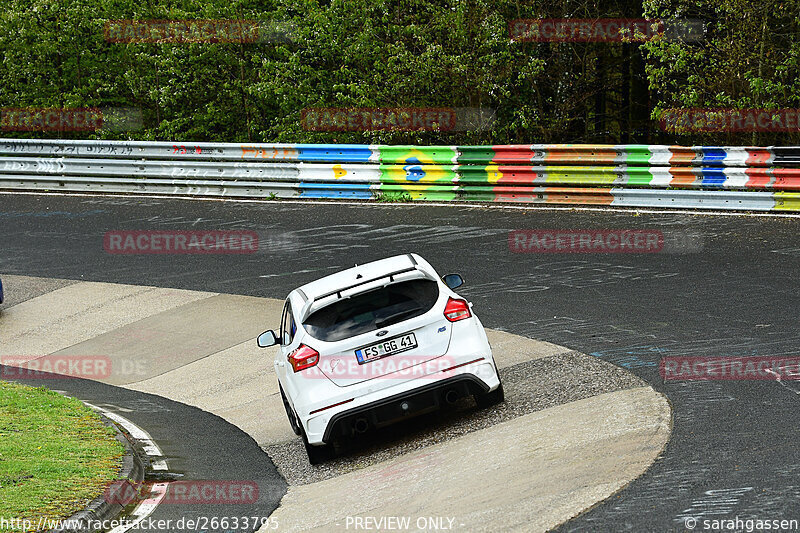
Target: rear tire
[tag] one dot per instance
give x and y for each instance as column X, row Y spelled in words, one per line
column 317, row 454
column 490, row 399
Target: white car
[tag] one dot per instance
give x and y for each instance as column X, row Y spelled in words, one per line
column 375, row 344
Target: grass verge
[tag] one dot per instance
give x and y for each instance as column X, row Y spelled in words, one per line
column 56, row 455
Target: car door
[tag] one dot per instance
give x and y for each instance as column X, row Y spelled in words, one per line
column 288, row 341
column 285, row 337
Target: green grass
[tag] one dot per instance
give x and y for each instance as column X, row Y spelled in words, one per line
column 393, row 197
column 56, row 455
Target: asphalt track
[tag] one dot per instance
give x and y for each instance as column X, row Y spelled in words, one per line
column 725, row 287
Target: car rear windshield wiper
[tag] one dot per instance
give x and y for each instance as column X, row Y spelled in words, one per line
column 394, row 318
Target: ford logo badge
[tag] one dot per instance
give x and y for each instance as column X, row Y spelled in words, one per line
column 382, row 333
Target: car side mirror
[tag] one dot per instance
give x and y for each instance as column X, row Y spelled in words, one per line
column 267, row 339
column 453, row 280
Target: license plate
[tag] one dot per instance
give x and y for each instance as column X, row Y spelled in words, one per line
column 387, row 347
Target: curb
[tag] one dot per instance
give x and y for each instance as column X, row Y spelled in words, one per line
column 100, row 509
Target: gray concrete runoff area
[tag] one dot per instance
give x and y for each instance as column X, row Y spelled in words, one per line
column 573, row 429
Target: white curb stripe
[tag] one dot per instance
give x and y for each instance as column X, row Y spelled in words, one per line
column 158, row 490
column 149, row 446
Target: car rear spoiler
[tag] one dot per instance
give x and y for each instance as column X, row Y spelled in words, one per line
column 310, row 306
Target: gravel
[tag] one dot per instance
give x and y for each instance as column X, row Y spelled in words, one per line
column 529, row 387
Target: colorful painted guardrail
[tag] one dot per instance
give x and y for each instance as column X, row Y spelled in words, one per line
column 741, row 178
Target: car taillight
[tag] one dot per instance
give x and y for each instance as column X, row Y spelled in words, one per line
column 456, row 310
column 303, row 357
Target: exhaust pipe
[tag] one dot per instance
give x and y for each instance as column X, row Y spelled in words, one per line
column 361, row 425
column 452, row 396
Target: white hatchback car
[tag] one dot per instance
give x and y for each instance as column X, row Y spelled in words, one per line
column 376, row 344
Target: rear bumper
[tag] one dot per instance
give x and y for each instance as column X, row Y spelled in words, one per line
column 385, row 407
column 404, row 405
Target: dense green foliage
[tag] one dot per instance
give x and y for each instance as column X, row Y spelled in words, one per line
column 414, row 53
column 750, row 58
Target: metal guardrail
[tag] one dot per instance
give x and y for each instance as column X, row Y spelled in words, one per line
column 738, row 178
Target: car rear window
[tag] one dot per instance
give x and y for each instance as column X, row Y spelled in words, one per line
column 372, row 310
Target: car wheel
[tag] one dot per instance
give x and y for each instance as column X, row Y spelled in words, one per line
column 490, row 399
column 317, row 454
column 293, row 420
